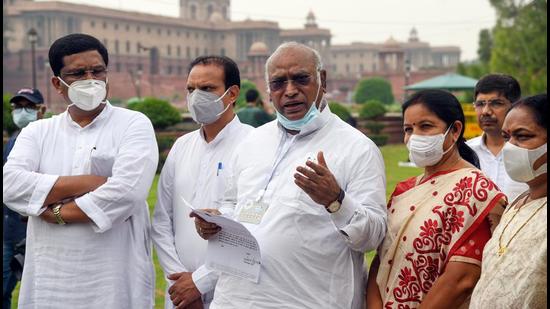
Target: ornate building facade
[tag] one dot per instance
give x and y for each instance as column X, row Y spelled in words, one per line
column 149, row 54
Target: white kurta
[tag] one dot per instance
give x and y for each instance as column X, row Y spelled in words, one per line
column 197, row 171
column 306, row 261
column 103, row 264
column 493, row 167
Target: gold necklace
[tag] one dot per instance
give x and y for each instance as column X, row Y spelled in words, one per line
column 502, row 249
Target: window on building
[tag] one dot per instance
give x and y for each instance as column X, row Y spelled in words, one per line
column 197, row 52
column 118, row 67
column 169, row 70
column 105, row 43
column 193, row 11
column 104, row 25
column 128, row 46
column 127, row 27
column 178, row 33
column 178, row 51
column 148, row 29
column 117, row 49
column 180, row 70
column 168, row 32
column 140, row 67
column 116, row 26
column 347, row 68
column 196, row 35
column 205, row 51
column 187, row 34
column 222, row 51
column 188, row 52
column 169, row 50
column 138, row 29
column 138, row 47
column 222, row 36
column 92, row 24
column 210, row 10
column 159, row 31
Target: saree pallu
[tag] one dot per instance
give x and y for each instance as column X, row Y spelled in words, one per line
column 430, row 224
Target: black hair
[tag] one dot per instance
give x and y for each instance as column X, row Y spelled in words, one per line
column 538, row 104
column 230, row 69
column 447, row 108
column 73, row 44
column 505, row 85
column 252, row 95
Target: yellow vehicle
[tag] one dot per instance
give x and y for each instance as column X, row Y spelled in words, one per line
column 472, row 128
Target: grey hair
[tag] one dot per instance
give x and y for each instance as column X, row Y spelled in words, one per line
column 288, row 45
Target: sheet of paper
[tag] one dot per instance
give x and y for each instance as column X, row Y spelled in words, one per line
column 233, row 250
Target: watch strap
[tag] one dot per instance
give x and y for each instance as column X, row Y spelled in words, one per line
column 57, row 213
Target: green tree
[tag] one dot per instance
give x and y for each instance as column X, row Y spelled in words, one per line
column 485, row 46
column 7, row 124
column 375, row 88
column 245, row 86
column 161, row 113
column 372, row 110
column 519, row 43
column 340, row 110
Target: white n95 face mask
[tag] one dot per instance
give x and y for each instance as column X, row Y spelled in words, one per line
column 427, row 150
column 205, row 107
column 519, row 162
column 22, row 117
column 86, row 94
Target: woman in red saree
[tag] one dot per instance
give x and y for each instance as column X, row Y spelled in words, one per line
column 438, row 222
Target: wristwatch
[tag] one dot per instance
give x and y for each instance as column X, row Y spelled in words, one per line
column 57, row 213
column 336, row 205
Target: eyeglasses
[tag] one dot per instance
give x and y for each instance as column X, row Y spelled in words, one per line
column 493, row 104
column 28, row 108
column 299, row 81
column 98, row 72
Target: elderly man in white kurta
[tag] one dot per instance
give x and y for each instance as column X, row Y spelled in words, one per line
column 313, row 221
column 82, row 177
column 196, row 170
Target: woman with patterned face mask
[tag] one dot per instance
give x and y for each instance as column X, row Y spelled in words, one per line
column 514, row 260
column 438, row 222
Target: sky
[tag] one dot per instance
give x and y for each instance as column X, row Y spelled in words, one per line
column 439, row 22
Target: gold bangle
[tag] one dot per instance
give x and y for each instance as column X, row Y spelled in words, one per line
column 57, row 213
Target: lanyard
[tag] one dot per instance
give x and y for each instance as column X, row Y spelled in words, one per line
column 282, row 150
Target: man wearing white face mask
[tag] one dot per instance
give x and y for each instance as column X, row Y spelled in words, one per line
column 311, row 189
column 27, row 107
column 515, row 265
column 197, row 170
column 82, row 177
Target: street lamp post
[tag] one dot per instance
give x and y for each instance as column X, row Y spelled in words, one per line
column 33, row 38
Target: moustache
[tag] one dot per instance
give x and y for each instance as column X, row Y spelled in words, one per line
column 487, row 119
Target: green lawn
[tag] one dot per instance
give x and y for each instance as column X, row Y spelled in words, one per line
column 392, row 154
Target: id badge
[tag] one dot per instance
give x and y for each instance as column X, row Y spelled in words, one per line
column 253, row 212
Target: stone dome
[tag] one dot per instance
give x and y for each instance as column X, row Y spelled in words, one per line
column 258, row 49
column 216, row 17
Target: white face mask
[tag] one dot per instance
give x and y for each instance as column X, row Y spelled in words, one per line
column 206, row 107
column 86, row 94
column 427, row 150
column 22, row 117
column 519, row 162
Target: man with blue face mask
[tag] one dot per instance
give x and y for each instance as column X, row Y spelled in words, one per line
column 27, row 106
column 197, row 169
column 311, row 189
column 82, row 177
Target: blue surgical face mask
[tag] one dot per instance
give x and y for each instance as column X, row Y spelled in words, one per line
column 23, row 116
column 297, row 125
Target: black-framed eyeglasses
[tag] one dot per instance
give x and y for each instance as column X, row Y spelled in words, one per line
column 27, row 108
column 99, row 72
column 493, row 104
column 280, row 83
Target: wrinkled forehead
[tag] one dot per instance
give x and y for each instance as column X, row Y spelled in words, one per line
column 292, row 60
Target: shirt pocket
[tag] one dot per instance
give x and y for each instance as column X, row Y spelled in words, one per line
column 101, row 163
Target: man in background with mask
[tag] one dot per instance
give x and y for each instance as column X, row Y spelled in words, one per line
column 196, row 170
column 28, row 106
column 82, row 178
column 311, row 189
column 493, row 98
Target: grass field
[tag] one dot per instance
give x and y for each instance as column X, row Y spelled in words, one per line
column 392, row 155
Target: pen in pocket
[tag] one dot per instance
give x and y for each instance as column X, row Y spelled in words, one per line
column 220, row 167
